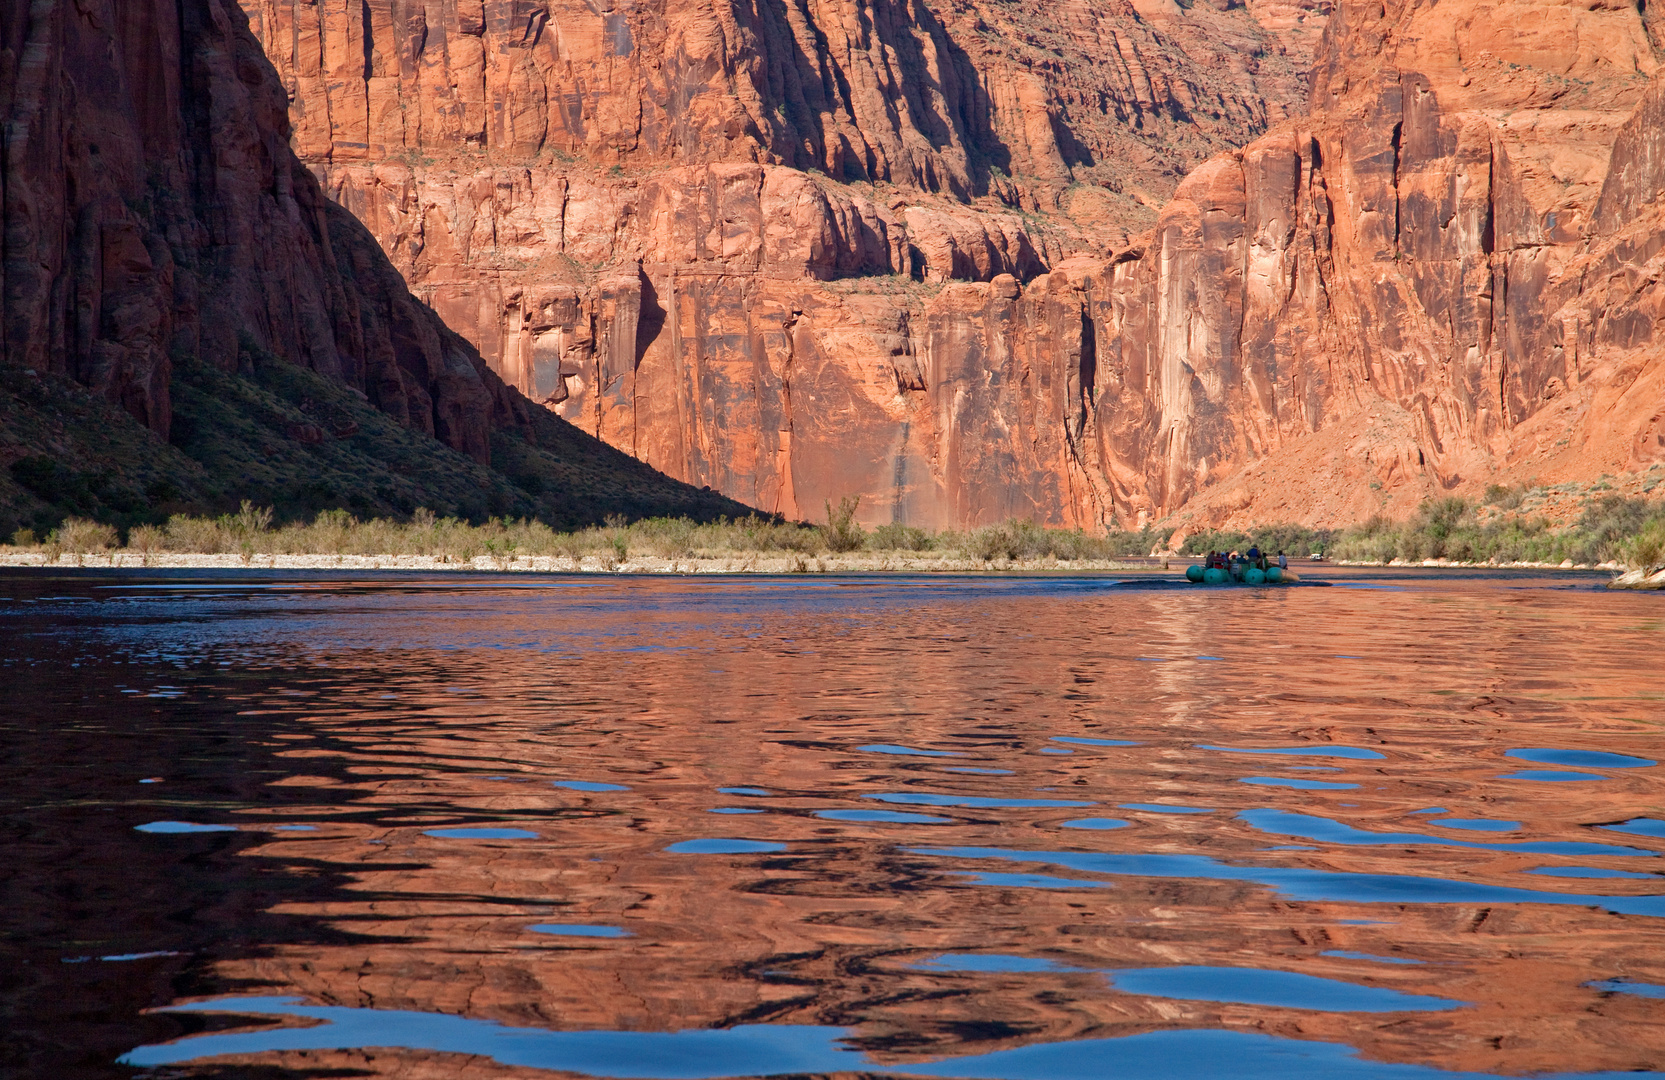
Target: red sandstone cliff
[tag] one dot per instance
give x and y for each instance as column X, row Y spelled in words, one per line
column 1443, row 278
column 710, row 232
column 898, row 249
column 153, row 208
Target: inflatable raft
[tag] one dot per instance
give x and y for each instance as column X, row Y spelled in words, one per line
column 1242, row 574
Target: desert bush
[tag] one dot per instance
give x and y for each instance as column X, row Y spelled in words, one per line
column 147, row 540
column 1607, row 523
column 992, row 542
column 249, row 519
column 842, row 532
column 1617, row 528
column 1436, row 523
column 24, row 538
column 1288, row 538
column 194, row 535
column 81, row 537
column 894, row 536
column 332, row 532
column 1127, row 542
column 1375, row 541
column 1505, row 498
column 1645, row 550
column 84, row 537
column 670, row 538
column 501, row 550
column 571, row 545
column 764, row 534
column 1448, row 529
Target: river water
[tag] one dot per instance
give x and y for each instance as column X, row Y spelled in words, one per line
column 1408, row 825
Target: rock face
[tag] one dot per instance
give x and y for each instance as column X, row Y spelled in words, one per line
column 153, row 208
column 908, row 251
column 712, row 232
column 1442, row 278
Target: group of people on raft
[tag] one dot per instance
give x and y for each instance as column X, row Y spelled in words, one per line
column 1255, row 568
column 1234, row 564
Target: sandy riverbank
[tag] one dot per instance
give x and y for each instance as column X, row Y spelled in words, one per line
column 773, row 562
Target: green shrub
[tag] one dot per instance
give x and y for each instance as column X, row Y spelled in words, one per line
column 842, row 532
column 1646, row 550
column 894, row 536
column 193, row 534
column 1615, row 528
column 670, row 538
column 991, row 542
column 1505, row 498
column 1606, row 523
column 249, row 519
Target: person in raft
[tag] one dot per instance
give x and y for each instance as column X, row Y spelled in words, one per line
column 1283, row 561
column 1254, row 558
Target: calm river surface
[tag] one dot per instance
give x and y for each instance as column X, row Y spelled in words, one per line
column 256, row 825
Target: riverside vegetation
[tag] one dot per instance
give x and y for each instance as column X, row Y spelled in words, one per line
column 1613, row 530
column 250, row 532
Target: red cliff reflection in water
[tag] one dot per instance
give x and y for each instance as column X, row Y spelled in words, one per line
column 934, row 814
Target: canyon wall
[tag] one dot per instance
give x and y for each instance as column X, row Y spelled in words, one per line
column 153, row 209
column 1443, row 278
column 1091, row 264
column 716, row 234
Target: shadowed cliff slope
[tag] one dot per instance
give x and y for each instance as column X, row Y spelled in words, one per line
column 155, row 216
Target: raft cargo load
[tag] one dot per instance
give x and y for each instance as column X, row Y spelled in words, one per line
column 1240, row 574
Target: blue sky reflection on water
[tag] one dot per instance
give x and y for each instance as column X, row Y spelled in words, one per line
column 1299, row 883
column 1239, row 985
column 778, row 1050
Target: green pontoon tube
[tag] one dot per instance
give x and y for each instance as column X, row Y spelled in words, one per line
column 1244, row 575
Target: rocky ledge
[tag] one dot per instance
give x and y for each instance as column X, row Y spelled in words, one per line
column 1650, row 578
